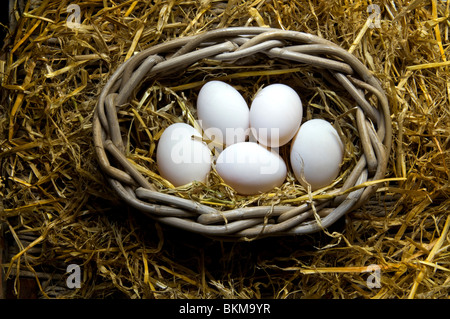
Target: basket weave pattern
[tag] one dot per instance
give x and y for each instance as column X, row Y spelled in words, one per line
column 229, row 45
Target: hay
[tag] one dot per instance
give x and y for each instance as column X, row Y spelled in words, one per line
column 58, row 210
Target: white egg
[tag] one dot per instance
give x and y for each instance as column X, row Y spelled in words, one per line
column 275, row 115
column 316, row 153
column 223, row 113
column 251, row 168
column 180, row 158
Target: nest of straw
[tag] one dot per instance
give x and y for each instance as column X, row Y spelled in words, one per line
column 59, row 210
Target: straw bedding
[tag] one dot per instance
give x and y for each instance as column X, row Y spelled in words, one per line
column 58, row 210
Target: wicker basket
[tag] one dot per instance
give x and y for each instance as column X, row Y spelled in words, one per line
column 239, row 45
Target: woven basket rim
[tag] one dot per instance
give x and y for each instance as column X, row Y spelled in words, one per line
column 230, row 44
